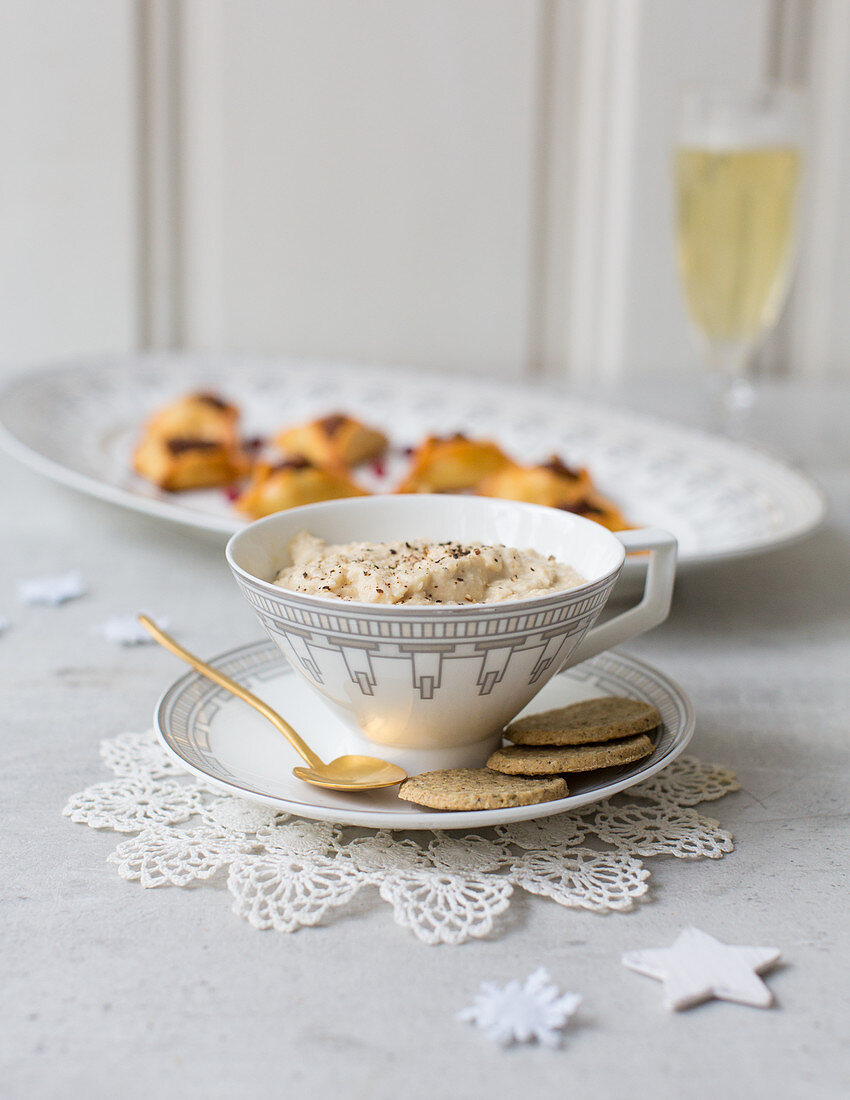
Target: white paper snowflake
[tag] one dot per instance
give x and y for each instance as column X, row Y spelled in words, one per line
column 518, row 1013
column 127, row 630
column 52, row 590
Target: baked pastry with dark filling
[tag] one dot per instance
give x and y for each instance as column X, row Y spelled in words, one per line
column 185, row 462
column 600, row 509
column 193, row 443
column 452, row 464
column 335, row 440
column 276, row 486
column 556, row 485
column 552, row 483
column 196, row 416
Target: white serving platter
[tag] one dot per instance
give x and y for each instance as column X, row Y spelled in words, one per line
column 77, row 424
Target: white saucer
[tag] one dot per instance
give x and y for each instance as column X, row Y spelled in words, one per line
column 220, row 739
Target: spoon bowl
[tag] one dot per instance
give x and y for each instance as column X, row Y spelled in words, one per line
column 349, row 773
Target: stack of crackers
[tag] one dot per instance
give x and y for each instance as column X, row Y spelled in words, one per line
column 596, row 733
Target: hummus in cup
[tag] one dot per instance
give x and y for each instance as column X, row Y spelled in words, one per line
column 420, row 572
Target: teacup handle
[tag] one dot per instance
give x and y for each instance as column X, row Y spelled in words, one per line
column 653, row 608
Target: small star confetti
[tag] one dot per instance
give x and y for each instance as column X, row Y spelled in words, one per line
column 52, row 590
column 518, row 1013
column 698, row 967
column 127, row 630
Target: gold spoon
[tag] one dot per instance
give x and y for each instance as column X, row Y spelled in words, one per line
column 346, row 773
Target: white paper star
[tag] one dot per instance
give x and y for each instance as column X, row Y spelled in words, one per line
column 519, row 1013
column 127, row 630
column 52, row 590
column 698, row 967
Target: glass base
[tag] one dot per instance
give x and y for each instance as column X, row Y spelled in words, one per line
column 739, row 395
column 733, row 399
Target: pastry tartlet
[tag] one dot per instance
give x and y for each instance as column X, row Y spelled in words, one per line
column 336, row 440
column 275, row 487
column 452, row 464
column 196, row 416
column 598, row 508
column 552, row 483
column 182, row 463
column 555, row 485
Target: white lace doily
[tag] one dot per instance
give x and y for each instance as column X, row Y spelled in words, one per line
column 284, row 872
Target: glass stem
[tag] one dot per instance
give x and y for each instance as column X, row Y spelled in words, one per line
column 734, row 392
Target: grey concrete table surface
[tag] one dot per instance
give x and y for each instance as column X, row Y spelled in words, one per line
column 110, row 990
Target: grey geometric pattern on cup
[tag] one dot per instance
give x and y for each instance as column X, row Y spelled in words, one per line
column 315, row 641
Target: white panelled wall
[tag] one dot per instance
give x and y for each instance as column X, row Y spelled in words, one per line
column 478, row 185
column 69, row 204
column 379, row 203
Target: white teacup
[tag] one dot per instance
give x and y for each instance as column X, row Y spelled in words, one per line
column 432, row 686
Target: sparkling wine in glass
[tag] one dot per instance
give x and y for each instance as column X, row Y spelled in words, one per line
column 737, row 165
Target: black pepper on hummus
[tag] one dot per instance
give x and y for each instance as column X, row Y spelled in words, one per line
column 421, row 572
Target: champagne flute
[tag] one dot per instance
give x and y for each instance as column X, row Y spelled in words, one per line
column 737, row 164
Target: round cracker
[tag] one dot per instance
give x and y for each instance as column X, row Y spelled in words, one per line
column 479, row 789
column 522, row 760
column 604, row 719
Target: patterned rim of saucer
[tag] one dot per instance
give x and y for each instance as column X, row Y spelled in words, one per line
column 189, row 717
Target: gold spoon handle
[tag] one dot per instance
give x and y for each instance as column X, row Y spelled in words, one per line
column 231, row 685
